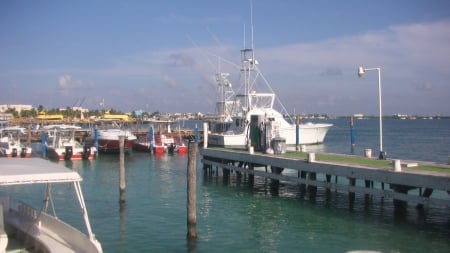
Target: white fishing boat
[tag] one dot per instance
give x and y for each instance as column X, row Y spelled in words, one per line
column 62, row 145
column 250, row 117
column 10, row 143
column 24, row 228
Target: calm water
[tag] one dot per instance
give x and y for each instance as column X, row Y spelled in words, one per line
column 242, row 217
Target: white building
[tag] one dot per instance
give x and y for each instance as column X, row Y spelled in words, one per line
column 18, row 108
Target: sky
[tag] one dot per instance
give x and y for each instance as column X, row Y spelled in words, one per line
column 163, row 55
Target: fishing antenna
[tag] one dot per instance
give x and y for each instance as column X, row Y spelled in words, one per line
column 251, row 24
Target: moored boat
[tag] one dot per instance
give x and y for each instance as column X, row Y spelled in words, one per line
column 160, row 143
column 34, row 228
column 105, row 136
column 169, row 144
column 250, row 118
column 10, row 143
column 61, row 144
column 108, row 140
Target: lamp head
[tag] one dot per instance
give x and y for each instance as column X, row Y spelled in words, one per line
column 361, row 71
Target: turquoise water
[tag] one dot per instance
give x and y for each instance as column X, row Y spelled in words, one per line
column 243, row 216
column 421, row 139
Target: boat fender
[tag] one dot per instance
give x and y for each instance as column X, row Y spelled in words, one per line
column 69, row 152
column 14, row 152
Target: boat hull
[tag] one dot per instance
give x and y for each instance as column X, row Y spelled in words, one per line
column 159, row 149
column 112, row 146
column 308, row 134
column 141, row 146
column 182, row 149
column 70, row 153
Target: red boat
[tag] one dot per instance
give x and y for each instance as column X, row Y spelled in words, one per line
column 164, row 143
column 108, row 140
column 160, row 143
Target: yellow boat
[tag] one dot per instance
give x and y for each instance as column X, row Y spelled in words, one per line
column 44, row 116
column 110, row 116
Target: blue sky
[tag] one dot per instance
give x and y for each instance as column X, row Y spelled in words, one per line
column 162, row 55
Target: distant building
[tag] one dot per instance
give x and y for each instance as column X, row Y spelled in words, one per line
column 18, row 108
column 5, row 117
column 76, row 108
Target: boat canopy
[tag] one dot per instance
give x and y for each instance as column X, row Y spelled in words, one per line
column 16, row 129
column 34, row 171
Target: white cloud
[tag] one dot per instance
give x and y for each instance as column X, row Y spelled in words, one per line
column 64, row 81
column 66, row 84
column 169, row 81
column 414, row 59
column 427, row 43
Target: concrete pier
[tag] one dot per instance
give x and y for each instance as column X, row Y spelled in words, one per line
column 357, row 175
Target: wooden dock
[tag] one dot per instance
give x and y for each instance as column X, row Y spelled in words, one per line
column 414, row 183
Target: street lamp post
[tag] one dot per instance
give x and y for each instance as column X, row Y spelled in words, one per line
column 361, row 72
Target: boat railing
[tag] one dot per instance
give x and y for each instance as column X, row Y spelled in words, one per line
column 27, row 211
column 49, row 225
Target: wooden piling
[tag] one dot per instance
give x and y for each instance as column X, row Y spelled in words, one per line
column 351, row 194
column 43, row 146
column 191, row 190
column 312, row 189
column 29, row 136
column 121, row 169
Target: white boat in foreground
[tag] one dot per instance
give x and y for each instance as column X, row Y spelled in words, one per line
column 36, row 229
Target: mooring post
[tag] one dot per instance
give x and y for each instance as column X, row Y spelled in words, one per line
column 191, row 189
column 29, row 136
column 351, row 193
column 43, row 148
column 121, row 169
column 151, row 139
column 205, row 134
column 352, row 134
column 196, row 134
